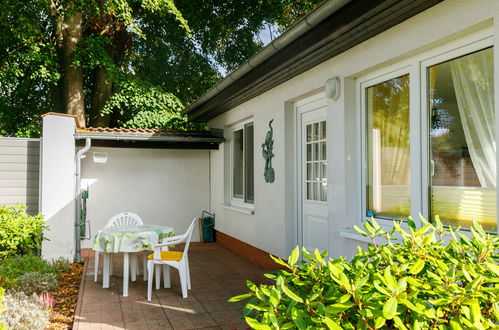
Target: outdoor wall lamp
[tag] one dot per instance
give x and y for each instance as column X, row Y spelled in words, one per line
column 100, row 157
column 332, row 88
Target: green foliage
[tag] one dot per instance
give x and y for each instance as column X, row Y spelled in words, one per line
column 141, row 105
column 139, row 40
column 36, row 282
column 21, row 233
column 414, row 281
column 14, row 271
column 2, row 292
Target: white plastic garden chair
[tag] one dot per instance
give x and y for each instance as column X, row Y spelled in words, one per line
column 177, row 259
column 121, row 220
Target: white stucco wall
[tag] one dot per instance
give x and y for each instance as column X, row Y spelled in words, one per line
column 273, row 225
column 162, row 186
column 57, row 170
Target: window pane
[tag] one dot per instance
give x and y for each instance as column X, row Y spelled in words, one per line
column 462, row 140
column 238, row 165
column 316, row 131
column 323, row 130
column 388, row 153
column 315, row 147
column 249, row 183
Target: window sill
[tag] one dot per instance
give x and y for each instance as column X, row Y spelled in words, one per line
column 238, row 208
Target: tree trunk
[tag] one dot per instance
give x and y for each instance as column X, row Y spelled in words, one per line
column 73, row 76
column 56, row 91
column 101, row 92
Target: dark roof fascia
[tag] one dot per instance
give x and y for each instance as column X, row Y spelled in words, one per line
column 354, row 23
column 175, row 140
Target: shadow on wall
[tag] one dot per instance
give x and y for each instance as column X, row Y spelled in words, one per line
column 32, row 176
column 60, row 235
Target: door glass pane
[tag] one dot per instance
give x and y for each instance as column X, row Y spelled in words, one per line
column 315, row 147
column 309, row 133
column 238, row 164
column 310, row 191
column 323, row 130
column 316, row 132
column 249, row 173
column 315, row 162
column 462, row 140
column 388, row 153
column 323, row 191
column 322, row 151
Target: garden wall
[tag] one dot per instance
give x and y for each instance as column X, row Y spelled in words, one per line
column 19, row 172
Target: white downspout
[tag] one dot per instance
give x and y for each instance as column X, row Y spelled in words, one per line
column 78, row 156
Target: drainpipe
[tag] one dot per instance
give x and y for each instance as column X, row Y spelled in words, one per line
column 78, row 156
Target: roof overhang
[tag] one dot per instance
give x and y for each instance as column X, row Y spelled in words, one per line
column 331, row 29
column 149, row 139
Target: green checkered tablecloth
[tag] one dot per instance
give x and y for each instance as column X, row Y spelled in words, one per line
column 130, row 238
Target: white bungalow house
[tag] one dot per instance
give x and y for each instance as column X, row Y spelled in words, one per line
column 378, row 108
column 382, row 108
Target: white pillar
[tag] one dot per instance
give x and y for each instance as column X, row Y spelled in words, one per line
column 57, row 171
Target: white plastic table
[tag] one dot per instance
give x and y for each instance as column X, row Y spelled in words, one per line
column 127, row 239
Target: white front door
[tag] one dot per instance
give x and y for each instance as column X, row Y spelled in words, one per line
column 312, row 174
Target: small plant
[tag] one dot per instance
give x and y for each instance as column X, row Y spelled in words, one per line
column 45, row 300
column 35, row 282
column 21, row 233
column 414, row 281
column 22, row 312
column 12, row 269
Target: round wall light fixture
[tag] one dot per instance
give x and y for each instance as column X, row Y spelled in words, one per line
column 332, row 88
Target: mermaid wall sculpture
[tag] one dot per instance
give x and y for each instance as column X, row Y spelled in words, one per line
column 267, row 153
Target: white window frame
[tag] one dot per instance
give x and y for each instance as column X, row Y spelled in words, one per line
column 233, row 200
column 416, row 67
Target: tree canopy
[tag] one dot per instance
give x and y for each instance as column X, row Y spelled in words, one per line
column 125, row 63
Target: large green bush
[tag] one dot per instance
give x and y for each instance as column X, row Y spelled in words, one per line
column 415, row 280
column 20, row 233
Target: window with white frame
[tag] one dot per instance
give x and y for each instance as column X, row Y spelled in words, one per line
column 429, row 138
column 242, row 164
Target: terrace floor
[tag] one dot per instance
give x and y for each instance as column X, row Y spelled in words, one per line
column 216, row 275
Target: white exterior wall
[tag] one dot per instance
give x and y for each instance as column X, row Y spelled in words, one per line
column 162, row 186
column 58, row 186
column 273, row 225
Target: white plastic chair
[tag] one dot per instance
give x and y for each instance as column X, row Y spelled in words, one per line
column 121, row 220
column 177, row 259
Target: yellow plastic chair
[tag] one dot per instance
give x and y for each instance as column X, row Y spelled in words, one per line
column 177, row 259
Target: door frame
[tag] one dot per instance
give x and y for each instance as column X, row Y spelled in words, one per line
column 298, row 187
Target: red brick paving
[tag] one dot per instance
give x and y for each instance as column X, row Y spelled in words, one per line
column 216, row 275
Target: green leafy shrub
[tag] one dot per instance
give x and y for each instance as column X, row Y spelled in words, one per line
column 35, row 282
column 22, row 312
column 20, row 233
column 2, row 292
column 13, row 271
column 414, row 281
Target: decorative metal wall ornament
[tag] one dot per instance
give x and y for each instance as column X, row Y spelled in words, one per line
column 267, row 153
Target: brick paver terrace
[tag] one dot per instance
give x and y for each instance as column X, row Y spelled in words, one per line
column 216, row 275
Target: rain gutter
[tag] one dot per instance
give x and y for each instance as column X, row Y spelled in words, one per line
column 303, row 26
column 148, row 138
